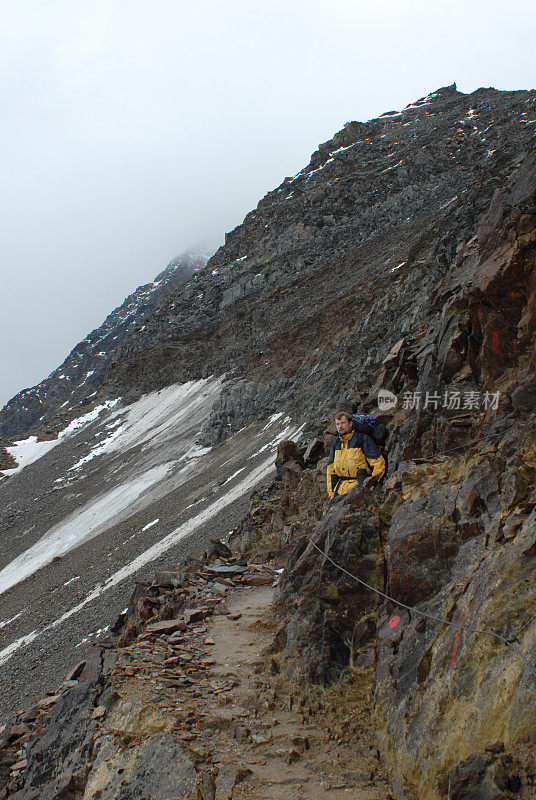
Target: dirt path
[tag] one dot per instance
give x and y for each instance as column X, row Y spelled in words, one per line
column 295, row 743
column 252, row 733
column 198, row 706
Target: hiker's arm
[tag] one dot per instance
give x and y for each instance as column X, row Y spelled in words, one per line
column 374, row 457
column 330, row 472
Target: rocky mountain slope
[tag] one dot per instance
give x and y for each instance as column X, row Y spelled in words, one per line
column 370, row 225
column 402, row 259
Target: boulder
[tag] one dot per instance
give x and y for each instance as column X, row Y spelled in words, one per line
column 326, row 612
column 166, row 626
column 485, row 776
column 315, row 450
column 288, row 451
column 141, row 773
column 227, row 570
column 68, row 731
column 422, row 543
column 291, row 473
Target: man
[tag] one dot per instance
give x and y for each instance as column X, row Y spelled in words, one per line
column 354, row 459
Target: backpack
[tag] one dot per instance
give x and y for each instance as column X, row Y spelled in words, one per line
column 377, row 431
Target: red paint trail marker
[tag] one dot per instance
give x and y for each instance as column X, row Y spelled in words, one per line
column 495, row 337
column 393, row 622
column 456, row 641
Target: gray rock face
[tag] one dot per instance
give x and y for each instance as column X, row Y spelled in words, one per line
column 422, row 543
column 59, row 757
column 484, row 776
column 140, row 773
column 331, row 620
column 402, row 257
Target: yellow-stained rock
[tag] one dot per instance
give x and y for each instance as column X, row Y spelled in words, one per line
column 127, row 717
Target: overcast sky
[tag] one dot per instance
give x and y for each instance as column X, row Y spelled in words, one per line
column 134, row 129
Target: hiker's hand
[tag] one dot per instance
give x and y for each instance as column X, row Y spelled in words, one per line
column 370, row 482
column 328, row 504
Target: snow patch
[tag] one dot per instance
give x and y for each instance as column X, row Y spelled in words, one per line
column 286, row 433
column 88, row 375
column 98, row 450
column 168, row 418
column 8, row 651
column 9, row 621
column 249, row 482
column 150, row 524
column 29, row 450
column 84, row 524
column 95, row 633
column 155, row 416
column 151, row 419
column 230, row 478
column 448, row 203
column 257, row 475
column 342, row 149
column 272, row 419
column 388, row 169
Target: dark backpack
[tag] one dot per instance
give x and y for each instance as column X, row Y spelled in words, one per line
column 377, row 431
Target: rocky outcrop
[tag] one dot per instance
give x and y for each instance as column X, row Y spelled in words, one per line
column 460, row 535
column 329, row 618
column 452, row 537
column 57, row 738
column 452, row 540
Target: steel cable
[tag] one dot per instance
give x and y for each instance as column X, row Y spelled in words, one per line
column 414, row 610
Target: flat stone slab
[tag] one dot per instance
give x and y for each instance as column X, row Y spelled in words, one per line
column 227, row 569
column 166, row 626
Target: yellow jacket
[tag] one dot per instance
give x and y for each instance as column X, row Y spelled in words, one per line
column 352, row 457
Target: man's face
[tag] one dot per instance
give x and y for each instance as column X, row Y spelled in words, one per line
column 344, row 426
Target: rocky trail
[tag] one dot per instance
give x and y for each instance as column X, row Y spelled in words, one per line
column 196, row 705
column 263, row 733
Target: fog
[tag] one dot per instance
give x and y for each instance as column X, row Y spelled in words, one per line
column 134, row 130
